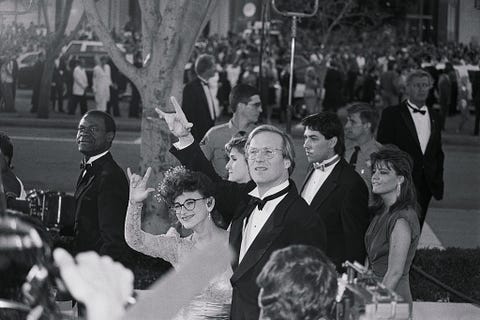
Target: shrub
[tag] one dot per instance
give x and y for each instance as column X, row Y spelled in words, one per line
column 457, row 268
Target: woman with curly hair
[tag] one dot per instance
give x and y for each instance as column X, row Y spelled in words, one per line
column 190, row 195
column 392, row 237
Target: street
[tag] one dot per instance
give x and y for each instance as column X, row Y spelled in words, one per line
column 48, row 159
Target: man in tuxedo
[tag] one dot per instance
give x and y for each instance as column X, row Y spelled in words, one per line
column 417, row 130
column 246, row 106
column 272, row 215
column 101, row 196
column 198, row 102
column 334, row 190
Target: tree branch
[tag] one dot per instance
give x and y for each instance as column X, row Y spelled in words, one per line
column 339, row 17
column 107, row 40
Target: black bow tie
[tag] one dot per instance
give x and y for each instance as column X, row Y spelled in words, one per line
column 323, row 166
column 260, row 203
column 415, row 110
column 84, row 165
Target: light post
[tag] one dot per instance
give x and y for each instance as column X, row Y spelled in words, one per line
column 295, row 16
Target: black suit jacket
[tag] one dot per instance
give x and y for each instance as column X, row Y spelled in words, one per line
column 292, row 222
column 101, row 200
column 397, row 127
column 195, row 107
column 342, row 203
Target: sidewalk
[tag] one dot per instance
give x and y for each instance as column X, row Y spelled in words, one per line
column 23, row 118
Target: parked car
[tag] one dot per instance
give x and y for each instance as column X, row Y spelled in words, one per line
column 25, row 63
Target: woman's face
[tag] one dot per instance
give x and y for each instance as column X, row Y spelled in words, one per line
column 384, row 179
column 237, row 167
column 197, row 204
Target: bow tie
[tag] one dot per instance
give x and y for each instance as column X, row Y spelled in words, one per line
column 323, row 166
column 84, row 165
column 260, row 203
column 415, row 110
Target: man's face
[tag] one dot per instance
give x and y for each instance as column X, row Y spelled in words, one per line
column 252, row 109
column 92, row 139
column 210, row 73
column 417, row 90
column 267, row 166
column 354, row 128
column 317, row 148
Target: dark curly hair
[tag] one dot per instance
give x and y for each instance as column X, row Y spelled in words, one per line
column 298, row 282
column 178, row 180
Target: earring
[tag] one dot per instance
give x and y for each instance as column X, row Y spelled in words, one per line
column 209, row 216
column 398, row 190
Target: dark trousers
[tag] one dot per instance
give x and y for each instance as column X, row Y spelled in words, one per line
column 423, row 198
column 74, row 100
column 56, row 95
column 7, row 93
column 477, row 118
column 112, row 105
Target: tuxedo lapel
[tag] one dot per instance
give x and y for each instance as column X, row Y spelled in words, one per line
column 328, row 186
column 407, row 119
column 433, row 131
column 267, row 235
column 201, row 94
column 235, row 237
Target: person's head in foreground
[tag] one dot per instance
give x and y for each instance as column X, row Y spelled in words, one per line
column 237, row 166
column 297, row 283
column 392, row 183
column 190, row 195
column 271, row 156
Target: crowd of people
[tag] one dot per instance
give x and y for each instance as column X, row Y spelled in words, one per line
column 369, row 181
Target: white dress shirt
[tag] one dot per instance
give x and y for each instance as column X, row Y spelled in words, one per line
column 422, row 125
column 210, row 99
column 259, row 217
column 316, row 180
column 80, row 81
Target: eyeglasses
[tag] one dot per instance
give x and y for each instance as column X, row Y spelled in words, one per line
column 189, row 205
column 93, row 129
column 267, row 153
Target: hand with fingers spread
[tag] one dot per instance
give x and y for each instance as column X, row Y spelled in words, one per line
column 177, row 121
column 103, row 285
column 138, row 185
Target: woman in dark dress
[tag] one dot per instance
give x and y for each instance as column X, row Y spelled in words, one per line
column 392, row 237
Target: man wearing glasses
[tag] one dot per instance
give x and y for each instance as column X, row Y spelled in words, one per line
column 101, row 195
column 246, row 107
column 272, row 214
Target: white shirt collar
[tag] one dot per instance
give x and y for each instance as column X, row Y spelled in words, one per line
column 255, row 193
column 98, row 156
column 415, row 106
column 330, row 159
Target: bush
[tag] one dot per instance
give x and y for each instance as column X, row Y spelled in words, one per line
column 457, row 268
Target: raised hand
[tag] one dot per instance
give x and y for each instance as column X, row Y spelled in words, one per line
column 177, row 121
column 138, row 185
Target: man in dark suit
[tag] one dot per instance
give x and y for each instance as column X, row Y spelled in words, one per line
column 198, row 101
column 334, row 190
column 417, row 130
column 272, row 214
column 101, row 195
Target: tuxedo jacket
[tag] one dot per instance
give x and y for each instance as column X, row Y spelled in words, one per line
column 195, row 106
column 101, row 199
column 397, row 127
column 292, row 222
column 342, row 204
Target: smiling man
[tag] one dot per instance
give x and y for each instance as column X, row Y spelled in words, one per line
column 246, row 106
column 101, row 195
column 334, row 190
column 270, row 213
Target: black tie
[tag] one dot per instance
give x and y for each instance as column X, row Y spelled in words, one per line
column 415, row 110
column 260, row 203
column 84, row 165
column 354, row 157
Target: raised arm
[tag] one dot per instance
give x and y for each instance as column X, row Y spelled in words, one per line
column 158, row 246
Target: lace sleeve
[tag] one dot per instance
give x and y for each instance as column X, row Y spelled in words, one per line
column 158, row 246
